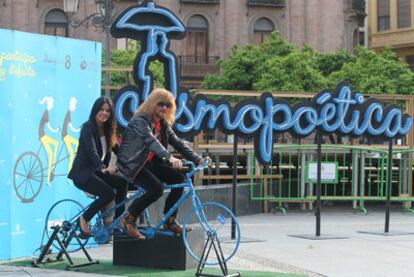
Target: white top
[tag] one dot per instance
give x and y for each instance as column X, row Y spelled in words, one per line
column 104, row 147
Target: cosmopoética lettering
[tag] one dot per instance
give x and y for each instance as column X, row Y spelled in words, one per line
column 343, row 112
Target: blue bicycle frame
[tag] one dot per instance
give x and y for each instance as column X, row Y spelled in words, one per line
column 150, row 231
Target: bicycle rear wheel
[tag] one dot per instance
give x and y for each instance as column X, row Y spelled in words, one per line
column 27, row 176
column 64, row 213
column 215, row 219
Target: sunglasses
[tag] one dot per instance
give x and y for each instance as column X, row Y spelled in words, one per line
column 164, row 104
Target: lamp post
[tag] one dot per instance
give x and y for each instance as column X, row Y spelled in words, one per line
column 102, row 18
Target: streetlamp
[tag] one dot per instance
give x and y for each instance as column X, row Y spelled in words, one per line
column 102, row 18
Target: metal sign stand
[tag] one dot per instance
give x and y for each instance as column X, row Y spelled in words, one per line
column 69, row 234
column 233, row 200
column 388, row 202
column 317, row 235
column 212, row 242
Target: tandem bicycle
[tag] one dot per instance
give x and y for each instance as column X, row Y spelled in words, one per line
column 215, row 220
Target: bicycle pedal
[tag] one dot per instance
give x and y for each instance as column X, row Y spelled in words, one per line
column 118, row 232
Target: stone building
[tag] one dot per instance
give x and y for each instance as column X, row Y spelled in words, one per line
column 214, row 26
column 391, row 23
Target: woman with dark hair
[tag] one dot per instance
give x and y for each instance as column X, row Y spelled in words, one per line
column 91, row 171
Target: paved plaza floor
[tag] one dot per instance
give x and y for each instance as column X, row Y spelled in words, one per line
column 359, row 255
column 267, row 246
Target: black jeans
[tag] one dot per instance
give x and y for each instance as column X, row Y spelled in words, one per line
column 102, row 185
column 151, row 178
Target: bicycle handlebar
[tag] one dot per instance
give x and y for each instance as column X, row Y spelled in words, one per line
column 195, row 169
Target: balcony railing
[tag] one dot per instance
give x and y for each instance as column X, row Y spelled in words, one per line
column 269, row 3
column 201, row 1
column 198, row 66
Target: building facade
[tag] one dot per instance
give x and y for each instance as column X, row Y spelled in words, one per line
column 214, row 26
column 391, row 23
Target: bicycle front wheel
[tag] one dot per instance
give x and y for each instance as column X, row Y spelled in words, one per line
column 212, row 221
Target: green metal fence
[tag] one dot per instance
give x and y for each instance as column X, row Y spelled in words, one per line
column 362, row 175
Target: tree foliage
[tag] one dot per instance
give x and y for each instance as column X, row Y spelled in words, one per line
column 126, row 58
column 277, row 65
column 376, row 73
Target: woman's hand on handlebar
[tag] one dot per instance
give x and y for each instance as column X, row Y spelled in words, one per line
column 206, row 159
column 176, row 163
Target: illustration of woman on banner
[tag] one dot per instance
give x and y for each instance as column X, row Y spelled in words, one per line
column 47, row 141
column 70, row 142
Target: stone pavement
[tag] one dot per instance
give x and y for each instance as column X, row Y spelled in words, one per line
column 267, row 246
column 360, row 255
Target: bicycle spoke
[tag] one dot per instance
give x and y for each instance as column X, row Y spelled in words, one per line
column 20, row 174
column 35, row 179
column 36, row 174
column 25, row 190
column 31, row 187
column 30, row 163
column 24, row 165
column 42, row 170
column 36, row 169
column 17, row 187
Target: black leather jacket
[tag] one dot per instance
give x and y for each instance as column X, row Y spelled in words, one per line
column 138, row 140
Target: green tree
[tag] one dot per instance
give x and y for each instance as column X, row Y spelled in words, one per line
column 328, row 63
column 126, row 58
column 242, row 68
column 294, row 72
column 376, row 73
column 276, row 65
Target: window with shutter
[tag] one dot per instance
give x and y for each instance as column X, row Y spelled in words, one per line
column 404, row 13
column 56, row 23
column 197, row 39
column 383, row 13
column 410, row 61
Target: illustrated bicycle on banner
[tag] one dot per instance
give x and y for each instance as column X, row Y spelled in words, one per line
column 213, row 219
column 30, row 170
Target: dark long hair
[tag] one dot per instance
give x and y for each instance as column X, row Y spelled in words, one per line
column 110, row 124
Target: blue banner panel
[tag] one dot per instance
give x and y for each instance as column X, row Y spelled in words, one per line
column 6, row 166
column 47, row 87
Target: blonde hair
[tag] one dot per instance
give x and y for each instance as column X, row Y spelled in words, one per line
column 156, row 96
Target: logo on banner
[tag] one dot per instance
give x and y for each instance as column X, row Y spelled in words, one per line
column 340, row 111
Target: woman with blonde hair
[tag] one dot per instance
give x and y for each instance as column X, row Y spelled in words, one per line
column 144, row 158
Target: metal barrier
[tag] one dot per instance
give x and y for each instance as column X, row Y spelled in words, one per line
column 362, row 173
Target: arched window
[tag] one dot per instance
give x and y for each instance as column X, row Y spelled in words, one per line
column 262, row 28
column 56, row 23
column 197, row 40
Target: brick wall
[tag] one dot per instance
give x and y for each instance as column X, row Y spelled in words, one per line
column 318, row 22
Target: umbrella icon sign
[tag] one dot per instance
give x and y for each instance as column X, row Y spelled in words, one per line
column 154, row 26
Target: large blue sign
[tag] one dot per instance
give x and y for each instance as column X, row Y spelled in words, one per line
column 339, row 111
column 47, row 87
